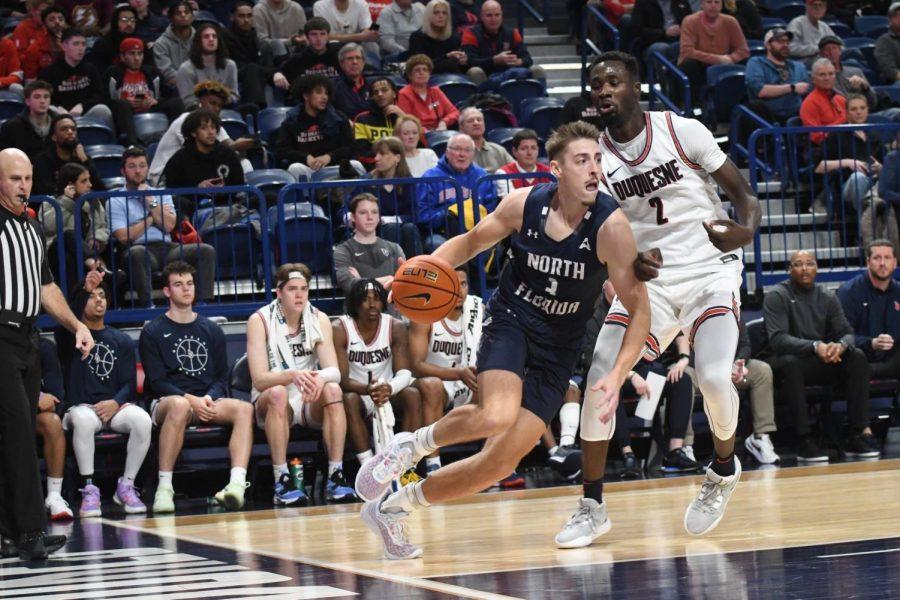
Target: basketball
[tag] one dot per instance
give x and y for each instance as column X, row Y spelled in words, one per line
column 425, row 289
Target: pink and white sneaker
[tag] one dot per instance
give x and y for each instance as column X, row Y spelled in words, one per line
column 391, row 528
column 90, row 502
column 58, row 509
column 374, row 478
column 128, row 497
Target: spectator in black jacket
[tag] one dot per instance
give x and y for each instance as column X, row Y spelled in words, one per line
column 658, row 25
column 351, row 94
column 63, row 148
column 438, row 41
column 495, row 52
column 319, row 57
column 315, row 135
column 203, row 161
column 30, row 130
column 813, row 342
column 150, row 24
column 252, row 57
column 747, row 16
column 465, row 14
column 77, row 86
column 136, row 88
column 584, row 107
column 105, row 51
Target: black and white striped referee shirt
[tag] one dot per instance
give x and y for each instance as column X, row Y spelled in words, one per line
column 23, row 268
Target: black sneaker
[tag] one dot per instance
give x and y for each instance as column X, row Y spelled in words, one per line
column 632, row 468
column 809, row 451
column 337, row 490
column 8, row 548
column 567, row 462
column 678, row 461
column 863, row 445
column 38, row 545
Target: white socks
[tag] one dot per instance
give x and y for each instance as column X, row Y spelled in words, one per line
column 54, row 486
column 165, row 478
column 362, row 457
column 423, row 442
column 433, row 461
column 569, row 416
column 277, row 470
column 335, row 465
column 406, row 499
column 238, row 475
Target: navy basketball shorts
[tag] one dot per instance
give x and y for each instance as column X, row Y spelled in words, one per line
column 545, row 369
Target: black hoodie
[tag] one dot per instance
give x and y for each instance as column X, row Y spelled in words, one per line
column 301, row 135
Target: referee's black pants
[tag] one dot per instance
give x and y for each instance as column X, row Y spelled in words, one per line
column 21, row 498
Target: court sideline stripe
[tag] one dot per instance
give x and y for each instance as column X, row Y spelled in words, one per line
column 859, row 553
column 423, row 583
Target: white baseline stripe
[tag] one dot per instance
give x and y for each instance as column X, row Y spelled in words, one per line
column 860, row 553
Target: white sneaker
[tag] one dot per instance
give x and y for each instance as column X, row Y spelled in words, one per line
column 587, row 524
column 760, row 446
column 707, row 510
column 391, row 529
column 58, row 508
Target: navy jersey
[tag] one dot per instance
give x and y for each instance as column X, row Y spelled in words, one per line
column 109, row 372
column 551, row 287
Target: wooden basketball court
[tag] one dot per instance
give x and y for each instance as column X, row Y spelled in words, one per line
column 829, row 531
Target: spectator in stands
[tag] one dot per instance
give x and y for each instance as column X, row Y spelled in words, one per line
column 495, row 53
column 823, row 106
column 378, row 122
column 808, row 29
column 44, row 50
column 351, row 95
column 776, row 83
column 657, row 25
column 11, row 74
column 709, row 38
column 29, row 130
column 105, row 51
column 208, row 62
column 350, row 21
column 889, row 183
column 395, row 202
column 295, row 381
column 319, row 57
column 315, row 135
column 101, row 398
column 397, row 21
column 211, row 96
column 427, row 102
column 281, row 23
column 174, row 46
column 434, row 200
column 465, row 14
column 150, row 25
column 368, row 381
column 871, row 301
column 488, row 155
column 437, row 40
column 203, row 161
column 137, row 88
column 409, row 131
column 186, row 369
column 91, row 16
column 618, row 12
column 749, row 373
column 64, row 148
column 525, row 148
column 77, row 85
column 30, row 28
column 74, row 181
column 813, row 342
column 48, row 426
column 584, row 107
column 252, row 57
column 365, row 255
column 850, row 79
column 143, row 224
column 747, row 15
column 887, row 48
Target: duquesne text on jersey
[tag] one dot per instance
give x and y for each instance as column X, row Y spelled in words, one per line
column 648, row 182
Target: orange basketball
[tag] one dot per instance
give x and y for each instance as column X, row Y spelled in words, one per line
column 425, row 289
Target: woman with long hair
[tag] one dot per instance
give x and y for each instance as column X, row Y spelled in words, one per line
column 437, row 40
column 208, row 62
column 409, row 131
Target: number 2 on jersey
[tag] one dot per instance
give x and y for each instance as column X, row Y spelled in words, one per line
column 657, row 203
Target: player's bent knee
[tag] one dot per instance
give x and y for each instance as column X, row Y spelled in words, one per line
column 331, row 393
column 592, row 428
column 277, row 399
column 493, row 421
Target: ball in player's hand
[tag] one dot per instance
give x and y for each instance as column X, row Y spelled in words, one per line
column 425, row 289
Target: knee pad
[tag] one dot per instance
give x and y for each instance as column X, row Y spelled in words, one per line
column 720, row 402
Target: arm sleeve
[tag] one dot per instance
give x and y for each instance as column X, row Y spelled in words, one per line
column 126, row 375
column 185, row 80
column 520, row 49
column 698, row 144
column 220, row 367
column 95, row 93
column 775, row 313
column 811, row 117
column 163, row 61
column 743, row 348
column 851, row 304
column 154, row 368
column 427, row 203
column 754, row 78
column 688, row 41
column 801, row 47
column 387, row 39
column 261, row 23
column 341, row 265
column 740, row 51
column 837, row 322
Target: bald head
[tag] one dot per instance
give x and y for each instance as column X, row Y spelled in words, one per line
column 802, row 255
column 491, row 16
column 803, row 268
column 15, row 179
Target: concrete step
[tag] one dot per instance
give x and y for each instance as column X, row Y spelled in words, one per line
column 540, row 52
column 545, row 39
column 794, row 240
column 776, row 259
column 780, row 221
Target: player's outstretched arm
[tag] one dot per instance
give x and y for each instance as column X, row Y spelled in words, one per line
column 728, row 235
column 617, row 248
column 496, row 226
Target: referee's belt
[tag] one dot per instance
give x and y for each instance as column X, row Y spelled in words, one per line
column 14, row 318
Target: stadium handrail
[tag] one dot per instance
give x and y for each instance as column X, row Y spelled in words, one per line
column 588, row 44
column 520, row 16
column 680, row 76
column 738, row 150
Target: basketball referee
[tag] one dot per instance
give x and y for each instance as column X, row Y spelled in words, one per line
column 26, row 285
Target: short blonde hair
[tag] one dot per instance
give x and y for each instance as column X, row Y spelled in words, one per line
column 568, row 133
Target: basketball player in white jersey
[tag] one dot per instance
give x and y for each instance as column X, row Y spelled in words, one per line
column 444, row 363
column 286, row 341
column 373, row 356
column 661, row 170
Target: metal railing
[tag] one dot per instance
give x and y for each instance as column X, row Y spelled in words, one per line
column 60, row 276
column 523, row 6
column 671, row 73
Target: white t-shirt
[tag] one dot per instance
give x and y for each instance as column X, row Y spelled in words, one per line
column 425, row 159
column 356, row 19
column 170, row 143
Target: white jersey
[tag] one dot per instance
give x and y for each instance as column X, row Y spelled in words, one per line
column 446, row 344
column 373, row 361
column 661, row 181
column 304, row 360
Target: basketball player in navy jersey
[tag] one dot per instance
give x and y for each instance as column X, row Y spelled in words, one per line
column 561, row 234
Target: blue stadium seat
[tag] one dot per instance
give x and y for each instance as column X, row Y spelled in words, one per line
column 541, row 114
column 866, row 46
column 328, row 173
column 205, row 16
column 503, row 136
column 516, row 90
column 437, row 140
column 440, row 79
column 842, row 30
column 269, row 180
column 773, row 22
column 788, row 10
column 307, row 236
column 238, row 248
column 113, row 183
column 10, row 105
column 150, row 126
column 269, row 120
column 151, row 151
column 757, row 47
column 236, row 128
column 93, row 131
column 107, row 158
column 729, row 91
column 871, row 25
column 457, row 91
column 890, row 90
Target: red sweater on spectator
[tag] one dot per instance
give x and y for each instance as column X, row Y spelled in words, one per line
column 513, row 167
column 822, row 108
column 435, row 107
column 24, row 33
column 10, row 71
column 616, row 9
column 705, row 41
column 41, row 53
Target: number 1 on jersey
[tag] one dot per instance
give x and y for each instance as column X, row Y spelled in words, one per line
column 657, row 203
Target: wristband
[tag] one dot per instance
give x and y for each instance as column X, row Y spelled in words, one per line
column 400, row 381
column 793, row 89
column 330, row 374
column 683, row 355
